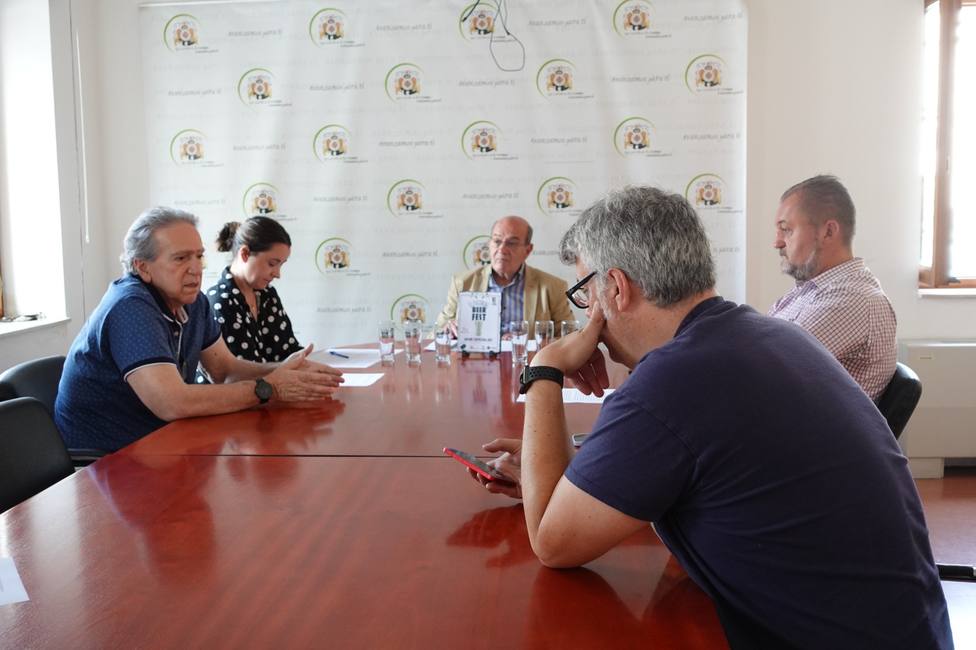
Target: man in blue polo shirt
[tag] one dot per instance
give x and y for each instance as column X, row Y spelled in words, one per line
column 765, row 469
column 132, row 367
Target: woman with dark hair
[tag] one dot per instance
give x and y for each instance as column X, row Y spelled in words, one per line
column 251, row 317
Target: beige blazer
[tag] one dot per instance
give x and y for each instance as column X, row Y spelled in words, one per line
column 545, row 296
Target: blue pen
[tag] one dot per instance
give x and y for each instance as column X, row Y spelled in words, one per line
column 338, row 354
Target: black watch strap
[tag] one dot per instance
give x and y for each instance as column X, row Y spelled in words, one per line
column 532, row 373
column 263, row 390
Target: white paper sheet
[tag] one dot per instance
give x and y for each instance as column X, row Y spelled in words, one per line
column 574, row 396
column 360, row 379
column 11, row 588
column 352, row 357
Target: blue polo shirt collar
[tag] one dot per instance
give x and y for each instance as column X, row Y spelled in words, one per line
column 181, row 317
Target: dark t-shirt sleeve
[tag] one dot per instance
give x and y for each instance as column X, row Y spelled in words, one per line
column 632, row 461
column 137, row 335
column 211, row 328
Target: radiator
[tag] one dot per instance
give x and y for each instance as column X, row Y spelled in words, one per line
column 943, row 427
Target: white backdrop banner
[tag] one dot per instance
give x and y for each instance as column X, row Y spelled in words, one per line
column 387, row 136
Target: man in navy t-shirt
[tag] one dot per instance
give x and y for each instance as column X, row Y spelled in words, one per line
column 765, row 469
column 132, row 366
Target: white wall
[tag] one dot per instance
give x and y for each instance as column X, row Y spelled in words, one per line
column 833, row 87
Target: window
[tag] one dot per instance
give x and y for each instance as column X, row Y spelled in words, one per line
column 31, row 242
column 948, row 246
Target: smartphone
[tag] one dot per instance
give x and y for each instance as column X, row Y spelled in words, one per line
column 478, row 465
column 578, row 439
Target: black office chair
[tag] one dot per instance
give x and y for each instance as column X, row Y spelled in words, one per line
column 32, row 454
column 39, row 378
column 898, row 401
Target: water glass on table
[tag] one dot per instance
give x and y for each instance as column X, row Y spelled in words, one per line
column 519, row 330
column 544, row 332
column 412, row 331
column 387, row 337
column 442, row 346
column 427, row 336
column 568, row 327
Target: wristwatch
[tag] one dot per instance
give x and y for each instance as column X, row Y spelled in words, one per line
column 532, row 373
column 263, row 390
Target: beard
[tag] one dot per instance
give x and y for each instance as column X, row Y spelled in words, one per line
column 804, row 270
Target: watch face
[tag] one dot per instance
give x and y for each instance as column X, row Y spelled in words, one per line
column 263, row 390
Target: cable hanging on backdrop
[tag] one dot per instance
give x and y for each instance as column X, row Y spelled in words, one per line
column 502, row 14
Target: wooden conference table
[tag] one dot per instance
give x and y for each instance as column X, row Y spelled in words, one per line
column 342, row 526
column 410, row 412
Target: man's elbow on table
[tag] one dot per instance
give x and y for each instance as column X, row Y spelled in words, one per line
column 553, row 560
column 167, row 413
column 560, row 549
column 578, row 528
column 167, row 408
column 161, row 390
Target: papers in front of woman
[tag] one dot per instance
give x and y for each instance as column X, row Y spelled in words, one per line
column 347, row 357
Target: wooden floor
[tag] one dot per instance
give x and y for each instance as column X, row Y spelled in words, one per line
column 950, row 511
column 948, row 501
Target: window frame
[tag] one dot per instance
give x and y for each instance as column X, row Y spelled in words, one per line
column 937, row 275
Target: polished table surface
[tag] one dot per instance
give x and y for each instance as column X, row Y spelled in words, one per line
column 287, row 526
column 409, row 412
column 204, row 551
column 228, row 551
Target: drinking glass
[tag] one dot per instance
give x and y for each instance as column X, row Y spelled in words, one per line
column 568, row 327
column 427, row 336
column 387, row 337
column 519, row 329
column 442, row 346
column 411, row 336
column 544, row 332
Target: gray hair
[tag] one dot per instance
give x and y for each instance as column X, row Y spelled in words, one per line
column 139, row 243
column 655, row 237
column 822, row 198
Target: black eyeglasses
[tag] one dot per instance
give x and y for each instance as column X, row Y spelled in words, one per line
column 578, row 295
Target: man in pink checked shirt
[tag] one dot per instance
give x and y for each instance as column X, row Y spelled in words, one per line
column 836, row 298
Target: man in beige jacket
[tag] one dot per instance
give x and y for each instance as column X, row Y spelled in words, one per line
column 527, row 293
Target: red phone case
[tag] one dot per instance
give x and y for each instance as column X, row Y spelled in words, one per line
column 478, row 465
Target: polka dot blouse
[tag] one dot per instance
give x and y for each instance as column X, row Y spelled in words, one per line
column 267, row 338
